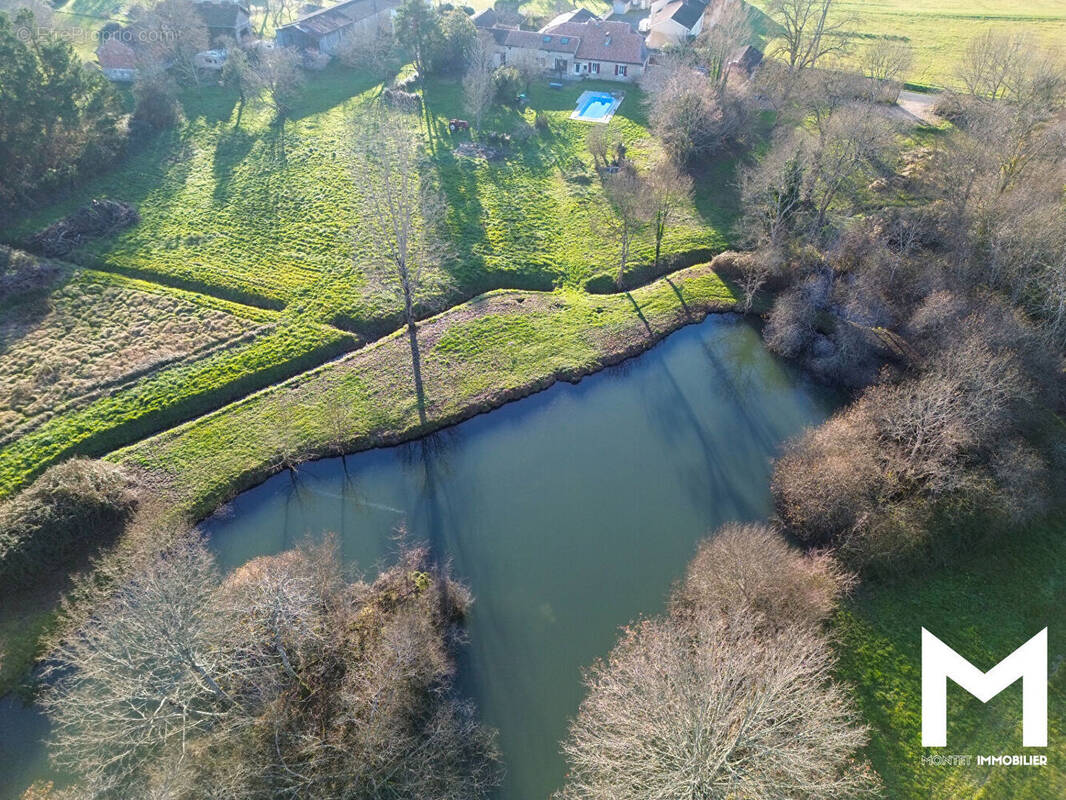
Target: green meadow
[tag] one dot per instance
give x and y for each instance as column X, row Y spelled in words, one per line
column 987, row 603
column 939, row 30
column 269, row 214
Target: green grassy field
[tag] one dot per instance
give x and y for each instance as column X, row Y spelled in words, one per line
column 270, row 215
column 984, row 606
column 939, row 30
column 99, row 360
column 476, row 356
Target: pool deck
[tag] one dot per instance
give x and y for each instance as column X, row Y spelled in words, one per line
column 583, row 99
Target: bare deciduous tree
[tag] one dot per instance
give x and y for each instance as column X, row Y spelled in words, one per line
column 888, row 61
column 628, row 197
column 283, row 680
column 405, row 212
column 690, row 115
column 730, row 695
column 174, row 32
column 276, row 76
column 669, row 189
column 772, row 190
column 719, row 42
column 988, row 62
column 808, row 31
column 145, row 672
column 373, row 49
column 478, row 87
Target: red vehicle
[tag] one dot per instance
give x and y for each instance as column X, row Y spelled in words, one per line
column 458, row 125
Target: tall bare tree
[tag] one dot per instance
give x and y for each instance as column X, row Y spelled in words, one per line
column 669, row 189
column 989, row 60
column 885, row 62
column 808, row 30
column 276, row 78
column 146, row 671
column 406, row 212
column 174, row 32
column 628, row 197
column 283, row 680
column 478, row 86
column 717, row 43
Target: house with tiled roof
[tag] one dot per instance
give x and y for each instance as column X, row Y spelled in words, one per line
column 329, row 29
column 117, row 60
column 577, row 44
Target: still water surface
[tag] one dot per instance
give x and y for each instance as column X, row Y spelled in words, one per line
column 568, row 514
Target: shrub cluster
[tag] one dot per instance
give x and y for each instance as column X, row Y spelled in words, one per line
column 72, row 508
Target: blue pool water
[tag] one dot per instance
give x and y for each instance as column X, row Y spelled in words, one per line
column 594, row 106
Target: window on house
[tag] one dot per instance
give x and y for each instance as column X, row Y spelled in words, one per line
column 565, row 40
column 577, row 68
column 620, row 70
column 594, row 67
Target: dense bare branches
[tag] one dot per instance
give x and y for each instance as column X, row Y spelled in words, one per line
column 731, row 695
column 888, row 61
column 479, row 89
column 719, row 42
column 629, row 200
column 143, row 673
column 406, row 212
column 282, row 681
column 690, row 115
column 809, row 31
column 668, row 190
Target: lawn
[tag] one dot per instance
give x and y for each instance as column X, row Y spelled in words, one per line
column 476, row 356
column 101, row 360
column 939, row 30
column 269, row 215
column 984, row 606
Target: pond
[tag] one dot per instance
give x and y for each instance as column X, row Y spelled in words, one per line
column 568, row 514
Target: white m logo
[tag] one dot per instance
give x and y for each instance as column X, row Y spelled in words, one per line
column 940, row 662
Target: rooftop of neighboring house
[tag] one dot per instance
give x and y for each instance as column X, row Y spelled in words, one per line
column 576, row 15
column 685, row 13
column 602, row 40
column 114, row 54
column 220, row 16
column 334, row 18
column 485, row 18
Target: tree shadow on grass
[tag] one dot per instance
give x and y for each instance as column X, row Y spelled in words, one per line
column 212, row 104
column 330, row 88
column 231, row 149
column 716, row 195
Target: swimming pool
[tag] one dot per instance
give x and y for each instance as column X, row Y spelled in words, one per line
column 596, row 106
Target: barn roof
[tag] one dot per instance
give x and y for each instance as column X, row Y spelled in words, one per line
column 220, row 16
column 335, row 18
